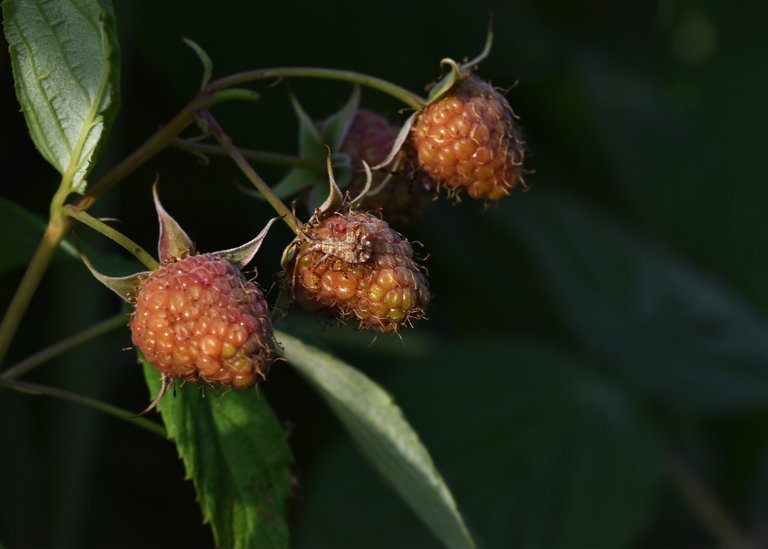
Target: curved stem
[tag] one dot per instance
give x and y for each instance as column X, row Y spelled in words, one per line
column 116, row 236
column 35, row 389
column 406, row 96
column 226, row 142
column 157, row 142
column 103, row 327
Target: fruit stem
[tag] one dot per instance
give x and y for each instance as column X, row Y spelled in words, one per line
column 704, row 504
column 276, row 159
column 92, row 332
column 138, row 252
column 35, row 389
column 157, row 142
column 409, row 98
column 212, row 126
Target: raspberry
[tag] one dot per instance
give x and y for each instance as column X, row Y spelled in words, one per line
column 198, row 318
column 369, row 138
column 353, row 265
column 468, row 140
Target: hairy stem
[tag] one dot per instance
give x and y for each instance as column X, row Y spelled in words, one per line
column 103, row 327
column 406, row 96
column 116, row 236
column 213, row 127
column 35, row 389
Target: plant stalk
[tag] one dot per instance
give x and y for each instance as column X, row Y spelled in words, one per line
column 226, row 142
column 409, row 98
column 35, row 389
column 64, row 345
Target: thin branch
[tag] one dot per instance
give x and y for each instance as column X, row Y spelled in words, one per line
column 21, row 368
column 217, row 132
column 35, row 389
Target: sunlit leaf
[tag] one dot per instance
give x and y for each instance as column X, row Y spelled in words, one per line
column 235, row 452
column 538, row 449
column 66, row 69
column 382, row 433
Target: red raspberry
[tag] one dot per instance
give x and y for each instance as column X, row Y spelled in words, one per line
column 198, row 318
column 469, row 140
column 353, row 265
column 370, row 138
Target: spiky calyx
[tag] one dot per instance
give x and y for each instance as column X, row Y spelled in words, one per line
column 370, row 138
column 198, row 318
column 352, row 265
column 468, row 139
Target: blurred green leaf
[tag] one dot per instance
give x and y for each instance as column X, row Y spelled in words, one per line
column 668, row 329
column 66, row 68
column 236, row 454
column 20, row 233
column 384, row 436
column 540, row 451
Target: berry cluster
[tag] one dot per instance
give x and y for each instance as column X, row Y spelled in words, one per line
column 197, row 317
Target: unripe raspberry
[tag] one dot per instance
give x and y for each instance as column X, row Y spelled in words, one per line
column 468, row 140
column 198, row 318
column 352, row 265
column 370, row 138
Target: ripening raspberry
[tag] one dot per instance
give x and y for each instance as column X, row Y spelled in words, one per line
column 370, row 138
column 352, row 265
column 468, row 140
column 198, row 318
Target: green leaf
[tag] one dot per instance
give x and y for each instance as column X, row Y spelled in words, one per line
column 384, row 436
column 665, row 327
column 66, row 69
column 236, row 454
column 538, row 449
column 335, row 128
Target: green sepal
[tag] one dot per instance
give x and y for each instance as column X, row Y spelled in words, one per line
column 204, row 59
column 242, row 255
column 335, row 198
column 334, row 129
column 173, row 243
column 124, row 286
column 458, row 71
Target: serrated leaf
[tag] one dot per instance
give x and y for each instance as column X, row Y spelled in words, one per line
column 538, row 448
column 665, row 327
column 235, row 452
column 65, row 62
column 384, row 436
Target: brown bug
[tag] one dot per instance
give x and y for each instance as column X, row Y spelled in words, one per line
column 350, row 241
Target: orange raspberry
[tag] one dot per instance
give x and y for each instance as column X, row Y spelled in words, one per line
column 198, row 318
column 352, row 265
column 469, row 140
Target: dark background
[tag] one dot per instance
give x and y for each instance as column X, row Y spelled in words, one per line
column 585, row 339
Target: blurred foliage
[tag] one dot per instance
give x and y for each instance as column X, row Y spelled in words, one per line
column 580, row 333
